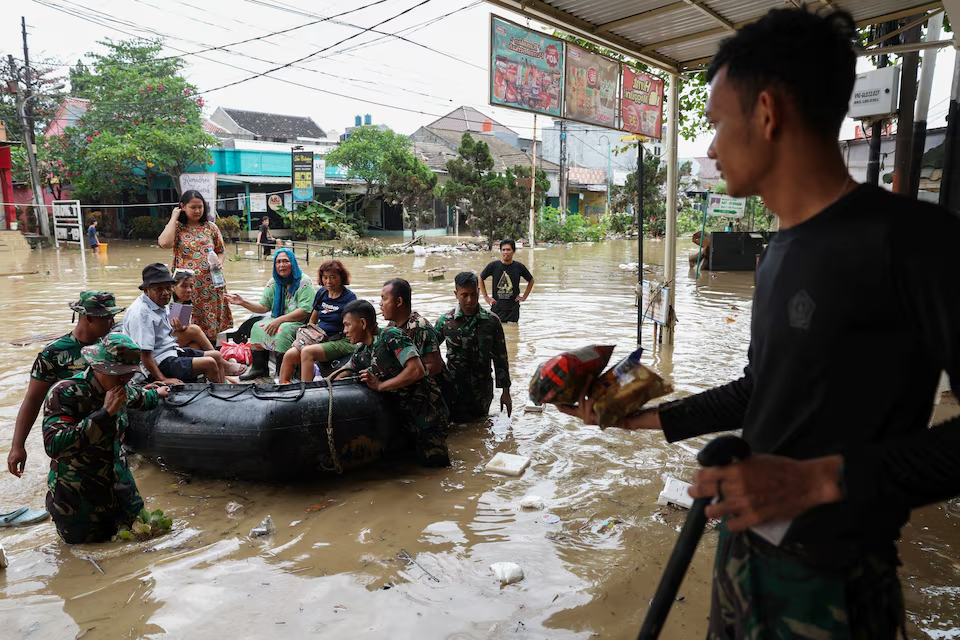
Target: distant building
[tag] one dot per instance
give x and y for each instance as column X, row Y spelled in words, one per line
column 365, row 121
column 856, row 153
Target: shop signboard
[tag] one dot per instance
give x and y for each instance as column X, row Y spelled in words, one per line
column 641, row 103
column 590, row 89
column 526, row 69
column 302, row 176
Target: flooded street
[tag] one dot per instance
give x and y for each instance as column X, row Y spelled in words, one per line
column 334, row 572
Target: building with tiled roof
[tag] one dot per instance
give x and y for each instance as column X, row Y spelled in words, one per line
column 469, row 119
column 272, row 127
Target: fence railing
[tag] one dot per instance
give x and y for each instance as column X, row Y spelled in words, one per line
column 260, row 252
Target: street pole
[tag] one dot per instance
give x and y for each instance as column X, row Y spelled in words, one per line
column 533, row 180
column 873, row 161
column 39, row 205
column 639, row 238
column 563, row 171
column 607, row 210
column 923, row 104
column 950, row 182
column 908, row 98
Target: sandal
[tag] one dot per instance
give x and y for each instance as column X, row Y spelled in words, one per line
column 23, row 516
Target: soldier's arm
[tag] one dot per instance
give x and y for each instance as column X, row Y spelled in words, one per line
column 142, row 399
column 64, row 432
column 499, row 355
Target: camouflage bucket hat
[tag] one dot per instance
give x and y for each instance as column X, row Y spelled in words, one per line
column 96, row 303
column 115, row 355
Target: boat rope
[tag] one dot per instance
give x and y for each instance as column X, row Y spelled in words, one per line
column 330, row 442
column 208, row 388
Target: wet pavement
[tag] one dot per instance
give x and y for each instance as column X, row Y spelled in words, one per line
column 334, row 571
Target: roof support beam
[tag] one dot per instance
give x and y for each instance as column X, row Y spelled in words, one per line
column 653, row 13
column 906, row 13
column 710, row 12
column 686, row 38
column 568, row 23
column 919, row 20
column 904, row 48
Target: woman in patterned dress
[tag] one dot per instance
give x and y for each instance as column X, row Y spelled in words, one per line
column 190, row 234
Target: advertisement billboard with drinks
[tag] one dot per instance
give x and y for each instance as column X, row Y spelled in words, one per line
column 641, row 103
column 526, row 69
column 590, row 91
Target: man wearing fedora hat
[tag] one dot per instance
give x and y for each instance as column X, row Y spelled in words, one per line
column 91, row 490
column 59, row 360
column 147, row 321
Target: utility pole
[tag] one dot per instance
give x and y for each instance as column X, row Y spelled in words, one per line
column 876, row 133
column 26, row 121
column 563, row 171
column 640, row 240
column 923, row 105
column 533, row 181
column 950, row 182
column 908, row 99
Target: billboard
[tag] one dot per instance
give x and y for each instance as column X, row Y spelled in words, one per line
column 526, row 69
column 302, row 176
column 641, row 103
column 590, row 89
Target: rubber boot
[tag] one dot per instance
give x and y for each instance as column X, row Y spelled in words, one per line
column 258, row 366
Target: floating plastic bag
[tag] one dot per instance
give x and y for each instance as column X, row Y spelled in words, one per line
column 561, row 379
column 507, row 572
column 237, row 352
column 624, row 389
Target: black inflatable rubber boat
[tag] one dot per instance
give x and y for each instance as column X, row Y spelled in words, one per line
column 266, row 431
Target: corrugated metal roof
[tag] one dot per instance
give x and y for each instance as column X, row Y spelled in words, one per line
column 682, row 34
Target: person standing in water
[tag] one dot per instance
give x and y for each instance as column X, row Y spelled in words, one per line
column 506, row 274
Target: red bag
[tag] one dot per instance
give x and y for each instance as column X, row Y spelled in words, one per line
column 238, row 352
column 561, row 379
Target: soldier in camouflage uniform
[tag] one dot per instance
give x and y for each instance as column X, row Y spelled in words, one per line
column 389, row 363
column 474, row 339
column 91, row 490
column 396, row 306
column 59, row 360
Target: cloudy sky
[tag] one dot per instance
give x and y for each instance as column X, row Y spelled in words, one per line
column 334, row 66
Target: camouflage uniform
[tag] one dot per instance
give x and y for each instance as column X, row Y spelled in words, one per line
column 61, row 359
column 473, row 342
column 421, row 406
column 91, row 490
column 421, row 332
column 763, row 592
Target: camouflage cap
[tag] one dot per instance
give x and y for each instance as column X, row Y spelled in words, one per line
column 115, row 355
column 96, row 303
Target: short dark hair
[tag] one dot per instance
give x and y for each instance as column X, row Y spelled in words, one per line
column 333, row 265
column 465, row 279
column 807, row 55
column 363, row 310
column 509, row 241
column 265, row 219
column 185, row 199
column 400, row 288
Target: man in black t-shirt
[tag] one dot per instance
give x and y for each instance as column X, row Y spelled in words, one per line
column 506, row 274
column 837, row 422
column 265, row 238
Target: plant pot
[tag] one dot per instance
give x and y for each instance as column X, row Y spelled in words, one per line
column 14, row 226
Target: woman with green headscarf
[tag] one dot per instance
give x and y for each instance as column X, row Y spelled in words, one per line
column 288, row 298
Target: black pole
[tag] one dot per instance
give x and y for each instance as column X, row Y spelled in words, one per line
column 908, row 100
column 950, row 182
column 876, row 131
column 639, row 239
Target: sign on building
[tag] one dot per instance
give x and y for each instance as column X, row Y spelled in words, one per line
column 275, row 202
column 258, row 203
column 875, row 93
column 654, row 302
column 725, row 206
column 67, row 222
column 319, row 171
column 590, row 89
column 641, row 103
column 302, row 176
column 526, row 68
column 206, row 184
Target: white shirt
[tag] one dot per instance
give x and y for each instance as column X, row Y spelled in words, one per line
column 149, row 325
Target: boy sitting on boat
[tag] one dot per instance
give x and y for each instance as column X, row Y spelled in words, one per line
column 147, row 321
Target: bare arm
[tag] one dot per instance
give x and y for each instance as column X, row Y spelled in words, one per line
column 255, row 307
column 297, row 315
column 314, row 317
column 36, row 392
column 168, row 237
column 483, row 291
column 526, row 293
column 432, row 363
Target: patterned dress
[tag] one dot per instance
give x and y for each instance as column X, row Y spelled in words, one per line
column 210, row 310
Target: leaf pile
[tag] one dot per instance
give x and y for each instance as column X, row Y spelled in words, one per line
column 146, row 526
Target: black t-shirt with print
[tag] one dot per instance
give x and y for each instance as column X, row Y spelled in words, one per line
column 264, row 236
column 506, row 280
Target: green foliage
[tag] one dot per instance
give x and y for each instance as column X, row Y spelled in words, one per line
column 619, row 223
column 411, row 184
column 229, row 226
column 654, row 197
column 146, row 227
column 365, row 155
column 146, row 526
column 44, row 80
column 574, row 228
column 317, row 221
column 143, row 121
column 516, row 222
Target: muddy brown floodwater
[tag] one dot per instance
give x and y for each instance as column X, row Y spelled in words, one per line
column 335, row 572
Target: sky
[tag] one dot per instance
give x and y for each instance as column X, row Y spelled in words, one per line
column 339, row 68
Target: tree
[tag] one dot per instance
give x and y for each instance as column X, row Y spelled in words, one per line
column 654, row 181
column 80, row 85
column 517, row 224
column 143, row 117
column 472, row 179
column 364, row 156
column 411, row 184
column 45, row 82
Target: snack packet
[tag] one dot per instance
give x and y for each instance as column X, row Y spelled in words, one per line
column 624, row 389
column 560, row 380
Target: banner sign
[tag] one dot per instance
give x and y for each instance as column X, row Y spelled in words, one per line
column 641, row 103
column 526, row 69
column 258, row 203
column 67, row 222
column 303, row 176
column 590, row 90
column 319, row 171
column 206, row 184
column 654, row 302
column 725, row 206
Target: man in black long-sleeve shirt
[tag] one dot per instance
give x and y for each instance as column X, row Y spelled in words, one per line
column 853, row 323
